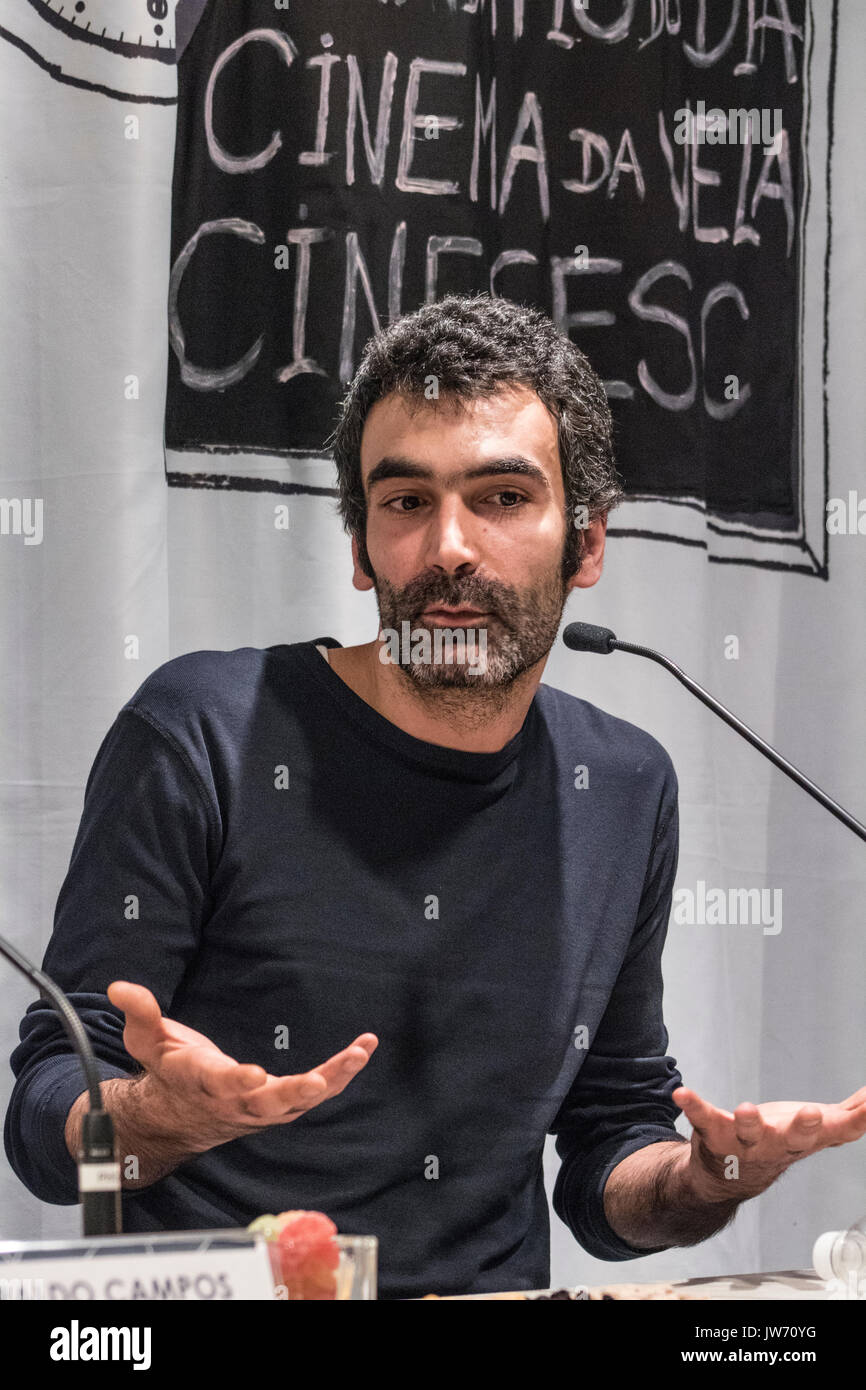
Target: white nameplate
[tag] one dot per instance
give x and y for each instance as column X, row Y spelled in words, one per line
column 190, row 1266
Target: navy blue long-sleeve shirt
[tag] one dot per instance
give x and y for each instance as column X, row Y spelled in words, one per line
column 279, row 863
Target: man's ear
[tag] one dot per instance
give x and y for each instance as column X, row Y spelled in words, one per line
column 591, row 555
column 360, row 578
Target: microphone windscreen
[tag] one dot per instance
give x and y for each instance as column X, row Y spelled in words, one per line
column 585, row 637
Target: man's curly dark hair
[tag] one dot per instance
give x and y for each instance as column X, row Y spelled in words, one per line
column 475, row 345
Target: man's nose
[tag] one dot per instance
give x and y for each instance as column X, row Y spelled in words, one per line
column 451, row 540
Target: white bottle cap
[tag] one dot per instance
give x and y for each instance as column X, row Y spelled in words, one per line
column 822, row 1251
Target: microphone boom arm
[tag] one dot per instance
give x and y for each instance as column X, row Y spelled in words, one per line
column 749, row 734
column 99, row 1180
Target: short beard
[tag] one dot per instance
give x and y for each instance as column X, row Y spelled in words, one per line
column 520, row 631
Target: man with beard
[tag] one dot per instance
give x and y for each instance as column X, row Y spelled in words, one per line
column 465, row 872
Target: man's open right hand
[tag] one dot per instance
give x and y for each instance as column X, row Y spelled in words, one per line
column 200, row 1097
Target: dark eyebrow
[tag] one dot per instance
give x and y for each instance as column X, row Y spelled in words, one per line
column 395, row 466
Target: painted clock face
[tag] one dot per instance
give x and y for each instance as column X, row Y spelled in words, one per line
column 124, row 48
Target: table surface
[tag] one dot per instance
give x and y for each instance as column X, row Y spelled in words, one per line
column 794, row 1284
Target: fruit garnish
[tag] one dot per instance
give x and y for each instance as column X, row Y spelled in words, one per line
column 304, row 1253
column 267, row 1226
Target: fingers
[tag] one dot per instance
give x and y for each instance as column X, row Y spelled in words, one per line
column 856, row 1125
column 143, row 1027
column 333, row 1076
column 743, row 1133
column 284, row 1097
column 776, row 1133
column 221, row 1077
column 749, row 1126
column 135, row 1001
column 845, row 1126
column 803, row 1132
column 707, row 1120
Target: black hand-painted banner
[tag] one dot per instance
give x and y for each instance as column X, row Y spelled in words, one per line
column 636, row 168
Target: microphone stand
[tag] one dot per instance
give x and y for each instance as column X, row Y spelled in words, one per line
column 587, row 637
column 98, row 1168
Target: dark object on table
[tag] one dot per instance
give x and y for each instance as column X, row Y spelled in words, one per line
column 560, row 1295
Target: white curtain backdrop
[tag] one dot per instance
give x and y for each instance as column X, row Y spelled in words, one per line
column 84, row 251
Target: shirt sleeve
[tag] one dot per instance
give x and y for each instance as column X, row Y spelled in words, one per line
column 131, row 907
column 620, row 1100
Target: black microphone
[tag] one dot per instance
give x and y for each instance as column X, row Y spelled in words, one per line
column 98, row 1167
column 585, row 637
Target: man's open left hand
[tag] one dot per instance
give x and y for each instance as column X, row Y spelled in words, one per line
column 764, row 1139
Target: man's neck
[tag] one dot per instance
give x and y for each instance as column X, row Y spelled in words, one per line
column 476, row 721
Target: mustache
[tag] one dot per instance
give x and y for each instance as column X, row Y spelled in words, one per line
column 431, row 596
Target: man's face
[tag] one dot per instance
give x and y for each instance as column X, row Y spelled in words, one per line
column 466, row 508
